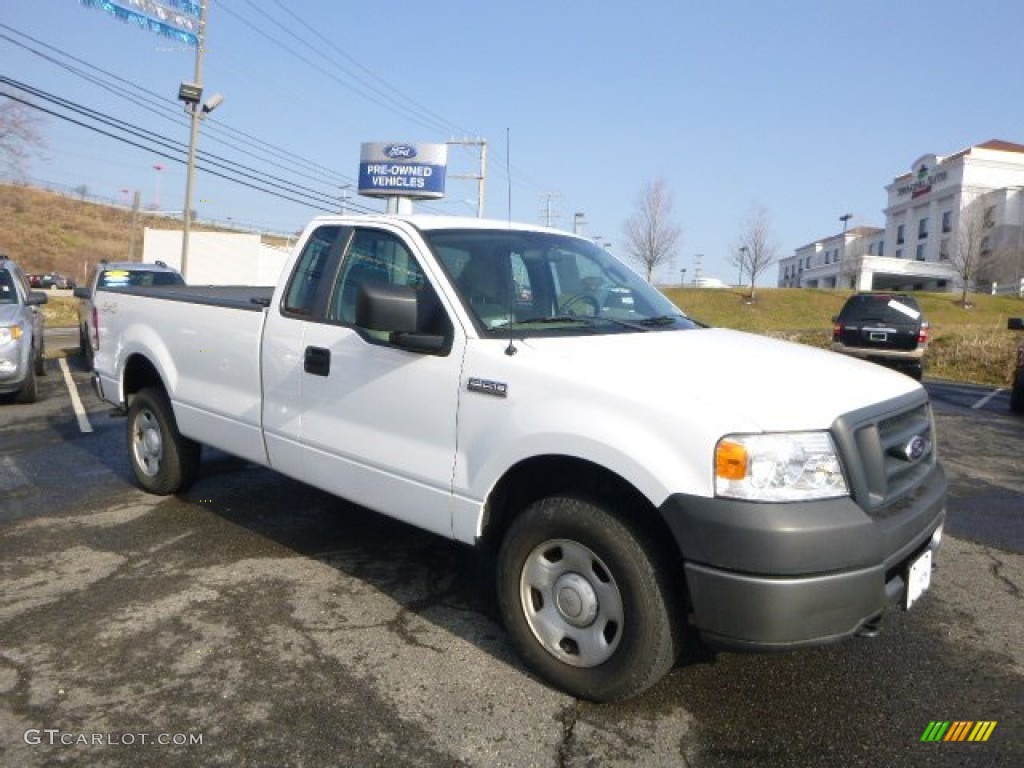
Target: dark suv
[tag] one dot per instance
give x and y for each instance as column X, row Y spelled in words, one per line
column 886, row 328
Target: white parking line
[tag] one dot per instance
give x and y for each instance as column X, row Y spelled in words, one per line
column 984, row 401
column 76, row 401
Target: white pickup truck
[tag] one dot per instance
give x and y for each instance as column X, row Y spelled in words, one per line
column 641, row 479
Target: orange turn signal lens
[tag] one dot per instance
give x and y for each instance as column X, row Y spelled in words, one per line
column 730, row 460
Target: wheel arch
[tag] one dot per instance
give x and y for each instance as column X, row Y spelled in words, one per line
column 140, row 373
column 543, row 476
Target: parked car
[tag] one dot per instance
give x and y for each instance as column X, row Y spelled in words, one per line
column 34, row 281
column 885, row 328
column 1017, row 387
column 119, row 274
column 22, row 350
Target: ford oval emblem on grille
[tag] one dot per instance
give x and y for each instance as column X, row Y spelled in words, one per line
column 400, row 151
column 913, row 449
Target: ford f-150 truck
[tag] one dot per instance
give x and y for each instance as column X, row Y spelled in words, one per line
column 640, row 478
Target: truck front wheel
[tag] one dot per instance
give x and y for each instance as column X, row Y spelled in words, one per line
column 162, row 460
column 585, row 601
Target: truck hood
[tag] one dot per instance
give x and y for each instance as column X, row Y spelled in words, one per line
column 770, row 385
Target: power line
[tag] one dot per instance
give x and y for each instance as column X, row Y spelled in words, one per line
column 168, row 149
column 168, row 109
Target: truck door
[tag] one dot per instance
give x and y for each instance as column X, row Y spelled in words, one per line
column 375, row 424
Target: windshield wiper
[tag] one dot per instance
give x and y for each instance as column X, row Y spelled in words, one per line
column 587, row 321
column 660, row 320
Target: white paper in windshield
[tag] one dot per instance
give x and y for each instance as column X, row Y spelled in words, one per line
column 910, row 312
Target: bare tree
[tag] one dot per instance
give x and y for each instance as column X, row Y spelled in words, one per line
column 19, row 136
column 970, row 246
column 651, row 236
column 756, row 249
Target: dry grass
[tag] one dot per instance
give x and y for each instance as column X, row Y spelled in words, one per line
column 47, row 232
column 970, row 344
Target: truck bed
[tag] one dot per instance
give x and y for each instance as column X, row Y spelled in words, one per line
column 252, row 297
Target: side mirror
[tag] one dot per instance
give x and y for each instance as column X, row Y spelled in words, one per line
column 35, row 298
column 1015, row 324
column 393, row 309
column 81, row 293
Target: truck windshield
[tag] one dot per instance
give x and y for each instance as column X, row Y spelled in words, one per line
column 540, row 283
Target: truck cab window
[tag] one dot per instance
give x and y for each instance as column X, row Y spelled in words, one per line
column 381, row 257
column 309, row 271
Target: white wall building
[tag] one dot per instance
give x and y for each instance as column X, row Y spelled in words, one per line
column 943, row 213
column 217, row 258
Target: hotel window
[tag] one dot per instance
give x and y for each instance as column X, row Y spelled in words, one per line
column 899, row 253
column 944, row 249
column 871, row 249
column 881, row 248
column 947, row 221
column 922, row 228
column 919, row 252
column 899, row 235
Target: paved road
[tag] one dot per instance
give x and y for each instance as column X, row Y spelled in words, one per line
column 282, row 627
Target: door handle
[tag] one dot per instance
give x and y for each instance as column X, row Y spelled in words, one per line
column 317, row 361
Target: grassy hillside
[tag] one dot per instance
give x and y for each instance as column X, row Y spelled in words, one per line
column 966, row 344
column 48, row 232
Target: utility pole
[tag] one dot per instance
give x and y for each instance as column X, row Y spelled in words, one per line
column 480, row 177
column 549, row 215
column 136, row 202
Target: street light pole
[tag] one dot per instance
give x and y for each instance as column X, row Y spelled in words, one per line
column 197, row 112
column 845, row 218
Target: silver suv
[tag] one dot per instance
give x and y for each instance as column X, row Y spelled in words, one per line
column 115, row 274
column 22, row 350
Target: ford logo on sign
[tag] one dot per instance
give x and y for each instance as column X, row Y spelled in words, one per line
column 400, row 151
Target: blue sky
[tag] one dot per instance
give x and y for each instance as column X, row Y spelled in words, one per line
column 807, row 108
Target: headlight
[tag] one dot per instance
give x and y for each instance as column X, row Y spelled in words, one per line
column 793, row 466
column 9, row 333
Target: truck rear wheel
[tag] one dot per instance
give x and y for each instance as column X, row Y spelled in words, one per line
column 584, row 600
column 162, row 460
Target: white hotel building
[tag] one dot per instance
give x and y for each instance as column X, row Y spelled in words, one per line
column 940, row 213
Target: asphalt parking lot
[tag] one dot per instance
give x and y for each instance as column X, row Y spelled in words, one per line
column 254, row 621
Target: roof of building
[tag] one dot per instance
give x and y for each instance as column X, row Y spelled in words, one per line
column 996, row 145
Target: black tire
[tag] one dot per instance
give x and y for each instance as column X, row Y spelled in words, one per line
column 1017, row 394
column 40, row 359
column 29, row 391
column 163, row 461
column 614, row 629
column 83, row 342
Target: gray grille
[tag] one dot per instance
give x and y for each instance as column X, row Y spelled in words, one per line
column 880, row 454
